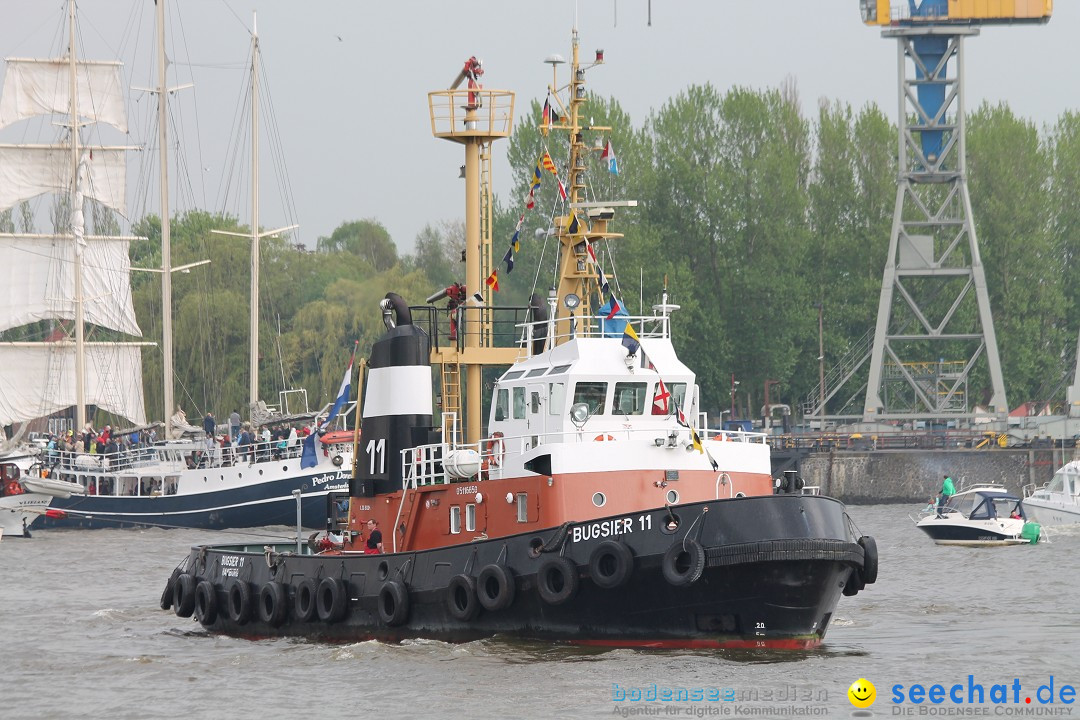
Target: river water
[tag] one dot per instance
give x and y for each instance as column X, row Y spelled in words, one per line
column 82, row 636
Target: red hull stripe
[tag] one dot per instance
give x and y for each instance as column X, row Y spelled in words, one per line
column 708, row 644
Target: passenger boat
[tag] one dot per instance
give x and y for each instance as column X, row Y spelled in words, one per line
column 24, row 494
column 1058, row 501
column 597, row 509
column 983, row 515
column 78, row 280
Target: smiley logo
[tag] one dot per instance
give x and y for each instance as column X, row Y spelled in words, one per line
column 862, row 693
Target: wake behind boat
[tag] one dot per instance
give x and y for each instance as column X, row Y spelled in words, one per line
column 595, row 510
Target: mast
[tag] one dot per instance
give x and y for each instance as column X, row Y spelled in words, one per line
column 166, row 240
column 80, row 337
column 253, row 387
column 577, row 275
column 254, row 236
column 474, row 117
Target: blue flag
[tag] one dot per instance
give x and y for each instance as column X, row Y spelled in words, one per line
column 343, row 394
column 308, row 457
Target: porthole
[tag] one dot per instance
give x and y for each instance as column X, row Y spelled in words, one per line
column 672, row 497
column 599, row 499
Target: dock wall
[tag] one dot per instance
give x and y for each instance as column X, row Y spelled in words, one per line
column 912, row 476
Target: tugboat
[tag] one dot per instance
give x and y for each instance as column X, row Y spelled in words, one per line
column 597, row 510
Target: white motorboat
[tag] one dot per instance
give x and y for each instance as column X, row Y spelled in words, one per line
column 19, row 505
column 983, row 515
column 1058, row 501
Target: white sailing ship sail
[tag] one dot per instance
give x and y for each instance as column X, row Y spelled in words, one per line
column 52, row 276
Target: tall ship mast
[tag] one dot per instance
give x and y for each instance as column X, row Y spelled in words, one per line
column 59, row 283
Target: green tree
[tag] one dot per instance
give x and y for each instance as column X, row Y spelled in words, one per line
column 1009, row 171
column 367, row 239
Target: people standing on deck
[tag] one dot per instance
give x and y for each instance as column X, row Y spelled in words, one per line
column 264, row 449
column 245, row 441
column 209, row 426
column 374, row 544
column 234, row 425
column 947, row 491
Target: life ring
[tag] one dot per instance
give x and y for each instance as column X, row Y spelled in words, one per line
column 611, row 564
column 603, row 438
column 166, row 601
column 238, row 601
column 461, row 598
column 304, row 602
column 868, row 574
column 854, row 583
column 184, row 595
column 557, row 580
column 330, row 600
column 495, row 449
column 684, row 562
column 393, row 603
column 495, row 587
column 206, row 607
column 272, row 607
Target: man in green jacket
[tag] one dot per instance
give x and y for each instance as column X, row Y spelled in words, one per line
column 947, row 491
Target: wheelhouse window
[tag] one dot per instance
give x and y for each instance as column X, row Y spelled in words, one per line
column 455, row 519
column 676, row 393
column 556, row 398
column 502, row 404
column 592, row 394
column 536, row 373
column 629, row 398
column 470, row 517
column 519, row 403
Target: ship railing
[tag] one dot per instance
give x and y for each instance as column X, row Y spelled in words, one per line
column 160, row 459
column 471, row 462
column 1030, row 489
column 592, row 326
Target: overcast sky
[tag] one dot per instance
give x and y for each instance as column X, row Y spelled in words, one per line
column 349, row 79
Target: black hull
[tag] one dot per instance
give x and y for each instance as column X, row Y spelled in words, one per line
column 255, row 505
column 969, row 535
column 747, row 572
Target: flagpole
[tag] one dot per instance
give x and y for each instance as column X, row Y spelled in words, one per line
column 356, row 420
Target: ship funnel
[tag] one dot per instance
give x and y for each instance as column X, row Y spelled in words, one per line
column 397, row 399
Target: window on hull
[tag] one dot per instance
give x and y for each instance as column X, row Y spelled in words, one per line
column 523, row 507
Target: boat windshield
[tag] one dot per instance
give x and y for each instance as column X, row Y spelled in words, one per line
column 996, row 506
column 1057, row 484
